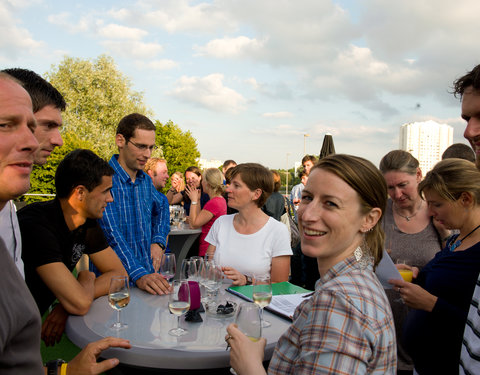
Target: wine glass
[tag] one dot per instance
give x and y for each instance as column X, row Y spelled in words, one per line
column 168, row 266
column 179, row 304
column 248, row 320
column 189, row 269
column 405, row 269
column 118, row 297
column 198, row 262
column 262, row 294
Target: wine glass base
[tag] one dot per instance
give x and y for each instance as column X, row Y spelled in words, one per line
column 177, row 332
column 119, row 326
column 266, row 324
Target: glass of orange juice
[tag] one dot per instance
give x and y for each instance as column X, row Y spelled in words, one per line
column 405, row 270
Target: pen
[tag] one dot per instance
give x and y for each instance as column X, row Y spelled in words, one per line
column 308, row 295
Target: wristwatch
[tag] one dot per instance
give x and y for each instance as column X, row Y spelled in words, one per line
column 248, row 280
column 162, row 246
column 194, row 203
column 53, row 366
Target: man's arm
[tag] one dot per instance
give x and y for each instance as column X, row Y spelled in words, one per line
column 75, row 295
column 108, row 263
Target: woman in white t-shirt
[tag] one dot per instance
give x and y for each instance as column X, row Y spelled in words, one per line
column 250, row 242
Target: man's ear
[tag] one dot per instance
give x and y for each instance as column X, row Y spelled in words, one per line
column 120, row 141
column 79, row 192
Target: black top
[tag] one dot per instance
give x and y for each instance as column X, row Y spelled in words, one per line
column 275, row 206
column 434, row 339
column 46, row 239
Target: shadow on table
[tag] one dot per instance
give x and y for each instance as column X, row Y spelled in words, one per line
column 134, row 370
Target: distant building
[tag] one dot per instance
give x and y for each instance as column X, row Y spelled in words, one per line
column 426, row 141
column 204, row 164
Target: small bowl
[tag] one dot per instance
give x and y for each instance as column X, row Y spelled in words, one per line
column 222, row 309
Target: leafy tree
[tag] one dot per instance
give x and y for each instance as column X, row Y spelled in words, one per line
column 98, row 95
column 179, row 148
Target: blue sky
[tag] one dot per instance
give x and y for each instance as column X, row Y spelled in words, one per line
column 249, row 78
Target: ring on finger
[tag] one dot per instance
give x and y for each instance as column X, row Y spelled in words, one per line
column 399, row 289
column 228, row 338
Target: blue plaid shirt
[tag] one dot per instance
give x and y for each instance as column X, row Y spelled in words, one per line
column 137, row 217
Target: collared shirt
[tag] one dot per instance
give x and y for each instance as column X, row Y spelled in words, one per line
column 10, row 233
column 345, row 328
column 296, row 192
column 470, row 354
column 138, row 217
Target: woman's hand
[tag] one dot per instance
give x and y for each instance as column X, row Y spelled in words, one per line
column 414, row 295
column 193, row 193
column 246, row 357
column 234, row 275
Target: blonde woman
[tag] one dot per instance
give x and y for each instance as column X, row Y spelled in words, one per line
column 440, row 298
column 212, row 183
column 346, row 327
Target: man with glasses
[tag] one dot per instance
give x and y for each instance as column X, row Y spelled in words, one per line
column 137, row 222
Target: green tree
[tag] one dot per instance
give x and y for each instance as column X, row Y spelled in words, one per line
column 98, row 95
column 179, row 148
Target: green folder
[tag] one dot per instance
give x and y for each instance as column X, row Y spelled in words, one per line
column 285, row 287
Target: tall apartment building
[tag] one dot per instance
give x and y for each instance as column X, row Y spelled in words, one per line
column 426, row 141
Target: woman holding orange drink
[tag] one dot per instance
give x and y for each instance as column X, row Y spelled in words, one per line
column 441, row 296
column 411, row 237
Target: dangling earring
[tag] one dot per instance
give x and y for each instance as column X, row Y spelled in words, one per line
column 362, row 252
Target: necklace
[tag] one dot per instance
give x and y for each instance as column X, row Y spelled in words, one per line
column 454, row 245
column 406, row 217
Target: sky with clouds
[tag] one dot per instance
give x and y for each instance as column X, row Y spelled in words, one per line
column 249, row 78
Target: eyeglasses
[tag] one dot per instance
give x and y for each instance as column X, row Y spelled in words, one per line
column 143, row 147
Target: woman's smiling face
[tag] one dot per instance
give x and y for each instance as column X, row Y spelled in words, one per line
column 330, row 218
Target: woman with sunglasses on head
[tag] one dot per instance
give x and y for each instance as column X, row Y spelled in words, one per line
column 441, row 296
column 346, row 327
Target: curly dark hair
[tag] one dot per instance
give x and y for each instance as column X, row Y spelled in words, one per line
column 472, row 78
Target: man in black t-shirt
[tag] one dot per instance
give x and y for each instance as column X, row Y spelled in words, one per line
column 55, row 234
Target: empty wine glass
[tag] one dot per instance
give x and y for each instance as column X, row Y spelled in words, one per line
column 262, row 294
column 198, row 262
column 118, row 297
column 213, row 281
column 189, row 270
column 168, row 266
column 179, row 304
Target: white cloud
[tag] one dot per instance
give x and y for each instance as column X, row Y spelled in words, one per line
column 163, row 64
column 279, row 131
column 231, row 47
column 113, row 31
column 277, row 114
column 65, row 20
column 15, row 41
column 209, row 92
column 135, row 49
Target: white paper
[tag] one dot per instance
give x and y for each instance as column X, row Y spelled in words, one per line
column 286, row 304
column 386, row 270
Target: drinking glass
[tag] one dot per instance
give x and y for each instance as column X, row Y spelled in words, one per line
column 262, row 294
column 198, row 262
column 168, row 266
column 179, row 304
column 189, row 270
column 249, row 321
column 118, row 297
column 405, row 269
column 213, row 281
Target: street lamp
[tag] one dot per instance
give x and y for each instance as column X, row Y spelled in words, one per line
column 305, row 143
column 286, row 175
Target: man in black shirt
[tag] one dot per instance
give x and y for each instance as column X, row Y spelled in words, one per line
column 55, row 234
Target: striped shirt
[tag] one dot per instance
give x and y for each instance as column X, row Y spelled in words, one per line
column 470, row 354
column 137, row 217
column 345, row 328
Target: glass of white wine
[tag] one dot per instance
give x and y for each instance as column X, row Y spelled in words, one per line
column 119, row 297
column 168, row 266
column 179, row 304
column 249, row 321
column 262, row 294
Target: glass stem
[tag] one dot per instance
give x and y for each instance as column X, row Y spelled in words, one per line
column 178, row 322
column 261, row 316
column 118, row 317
